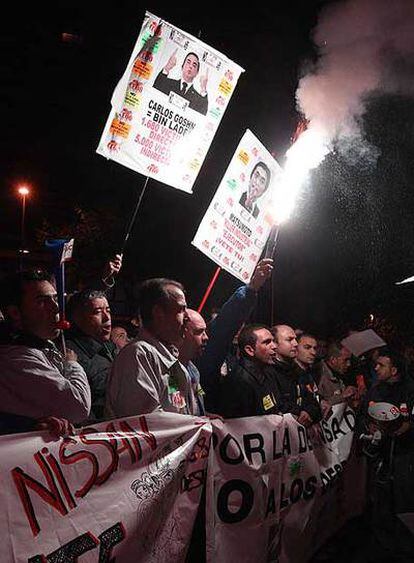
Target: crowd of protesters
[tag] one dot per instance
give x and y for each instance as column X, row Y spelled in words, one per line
column 172, row 358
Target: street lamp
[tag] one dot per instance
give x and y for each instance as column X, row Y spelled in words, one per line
column 23, row 192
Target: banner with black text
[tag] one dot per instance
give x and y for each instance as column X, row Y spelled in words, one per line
column 125, row 490
column 129, row 489
column 271, row 482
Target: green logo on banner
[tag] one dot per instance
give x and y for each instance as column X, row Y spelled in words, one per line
column 295, row 466
column 153, row 47
column 216, row 112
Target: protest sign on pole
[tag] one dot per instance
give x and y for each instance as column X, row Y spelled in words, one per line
column 236, row 225
column 168, row 105
column 127, row 489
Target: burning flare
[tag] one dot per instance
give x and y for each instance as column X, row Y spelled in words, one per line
column 308, row 150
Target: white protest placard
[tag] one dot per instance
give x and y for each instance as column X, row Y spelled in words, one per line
column 360, row 342
column 124, row 490
column 168, row 105
column 236, row 225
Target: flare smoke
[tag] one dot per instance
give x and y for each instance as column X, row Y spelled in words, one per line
column 365, row 46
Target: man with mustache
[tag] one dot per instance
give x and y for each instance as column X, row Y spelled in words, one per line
column 90, row 338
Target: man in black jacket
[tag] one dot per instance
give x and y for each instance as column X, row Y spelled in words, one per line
column 250, row 388
column 89, row 337
column 391, row 459
column 294, row 398
column 305, row 369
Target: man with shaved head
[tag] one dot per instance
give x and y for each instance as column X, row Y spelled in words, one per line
column 305, row 362
column 286, row 343
column 294, row 397
column 204, row 355
column 192, row 348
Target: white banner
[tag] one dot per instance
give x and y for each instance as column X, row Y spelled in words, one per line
column 236, row 225
column 168, row 105
column 125, row 490
column 129, row 489
column 272, row 482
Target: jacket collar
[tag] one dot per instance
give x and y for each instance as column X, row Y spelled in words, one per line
column 284, row 366
column 8, row 336
column 168, row 353
column 89, row 345
column 333, row 376
column 255, row 369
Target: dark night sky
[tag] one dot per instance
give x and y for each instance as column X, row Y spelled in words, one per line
column 350, row 236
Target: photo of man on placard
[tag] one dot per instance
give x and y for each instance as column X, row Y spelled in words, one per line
column 184, row 86
column 258, row 184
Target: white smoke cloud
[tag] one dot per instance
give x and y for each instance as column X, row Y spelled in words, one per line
column 362, row 44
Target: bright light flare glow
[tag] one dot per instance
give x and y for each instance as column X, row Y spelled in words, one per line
column 304, row 155
column 23, row 190
column 407, row 280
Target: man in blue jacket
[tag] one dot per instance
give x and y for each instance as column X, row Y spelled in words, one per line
column 234, row 313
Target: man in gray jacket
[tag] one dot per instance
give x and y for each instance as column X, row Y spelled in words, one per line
column 146, row 374
column 332, row 387
column 36, row 380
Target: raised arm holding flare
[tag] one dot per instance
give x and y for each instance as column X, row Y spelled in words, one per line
column 234, row 313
